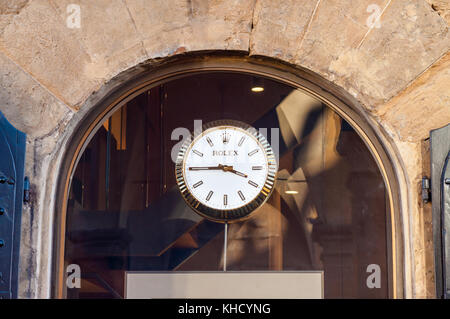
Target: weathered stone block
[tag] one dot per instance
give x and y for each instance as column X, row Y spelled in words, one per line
column 8, row 9
column 337, row 27
column 442, row 7
column 423, row 106
column 39, row 41
column 411, row 38
column 176, row 26
column 107, row 34
column 279, row 27
column 25, row 103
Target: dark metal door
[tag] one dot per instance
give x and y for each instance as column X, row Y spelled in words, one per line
column 12, row 157
column 440, row 181
column 445, row 208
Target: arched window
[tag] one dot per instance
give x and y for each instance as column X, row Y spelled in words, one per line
column 329, row 211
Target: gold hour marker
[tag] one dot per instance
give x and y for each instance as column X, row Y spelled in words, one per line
column 253, row 152
column 209, row 195
column 209, row 141
column 198, row 153
column 241, row 195
column 225, row 137
column 225, row 200
column 257, row 168
column 197, row 184
column 253, row 183
column 241, row 140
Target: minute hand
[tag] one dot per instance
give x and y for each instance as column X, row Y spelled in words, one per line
column 204, row 168
column 225, row 168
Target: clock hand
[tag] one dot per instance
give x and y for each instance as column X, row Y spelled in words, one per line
column 204, row 168
column 225, row 168
column 229, row 168
column 238, row 173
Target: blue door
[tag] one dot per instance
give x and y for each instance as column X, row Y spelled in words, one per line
column 12, row 157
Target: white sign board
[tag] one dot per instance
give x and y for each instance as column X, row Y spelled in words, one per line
column 225, row 285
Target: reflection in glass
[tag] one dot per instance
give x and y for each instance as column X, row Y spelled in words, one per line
column 328, row 211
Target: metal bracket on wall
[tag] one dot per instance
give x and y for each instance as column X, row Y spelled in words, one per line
column 426, row 191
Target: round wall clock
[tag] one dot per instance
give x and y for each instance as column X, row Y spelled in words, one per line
column 226, row 172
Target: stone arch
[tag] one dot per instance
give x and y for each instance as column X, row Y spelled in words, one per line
column 105, row 102
column 52, row 75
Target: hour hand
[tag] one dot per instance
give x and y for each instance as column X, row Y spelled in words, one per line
column 238, row 173
column 230, row 169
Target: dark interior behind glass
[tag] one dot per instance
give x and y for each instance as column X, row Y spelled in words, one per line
column 328, row 211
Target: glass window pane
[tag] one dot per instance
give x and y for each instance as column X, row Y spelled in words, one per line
column 328, row 210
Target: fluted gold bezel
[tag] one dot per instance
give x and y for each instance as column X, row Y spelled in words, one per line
column 227, row 215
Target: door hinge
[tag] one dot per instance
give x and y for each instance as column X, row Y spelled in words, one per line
column 26, row 190
column 426, row 190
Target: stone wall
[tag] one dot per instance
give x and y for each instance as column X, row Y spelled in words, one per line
column 397, row 68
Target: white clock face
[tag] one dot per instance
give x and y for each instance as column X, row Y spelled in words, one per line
column 227, row 167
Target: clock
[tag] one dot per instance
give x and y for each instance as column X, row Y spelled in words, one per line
column 226, row 172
